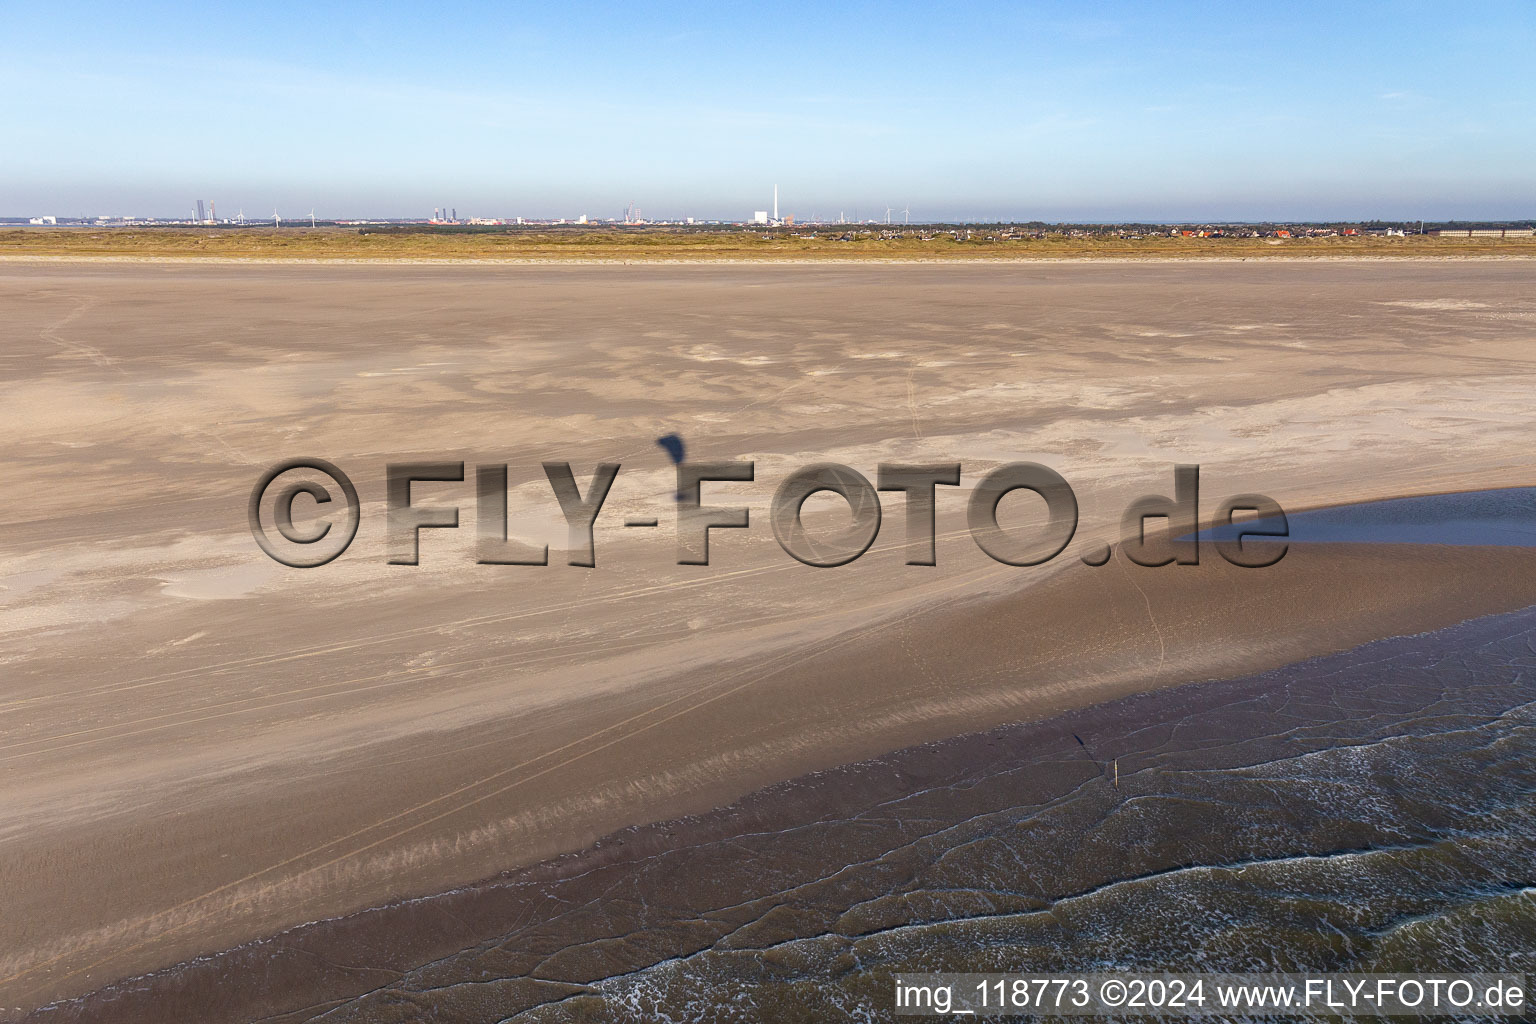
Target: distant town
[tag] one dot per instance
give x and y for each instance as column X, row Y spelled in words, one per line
column 890, row 224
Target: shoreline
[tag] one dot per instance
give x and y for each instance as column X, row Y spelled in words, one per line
column 1067, row 608
column 449, row 927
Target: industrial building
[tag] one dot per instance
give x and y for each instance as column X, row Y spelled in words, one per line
column 763, row 217
column 1484, row 232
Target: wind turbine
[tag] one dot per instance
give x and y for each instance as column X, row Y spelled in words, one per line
column 311, row 216
column 888, row 212
column 906, row 215
column 277, row 221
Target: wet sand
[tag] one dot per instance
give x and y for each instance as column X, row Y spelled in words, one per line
column 1369, row 811
column 202, row 748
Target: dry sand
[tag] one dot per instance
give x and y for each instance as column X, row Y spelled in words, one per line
column 200, row 747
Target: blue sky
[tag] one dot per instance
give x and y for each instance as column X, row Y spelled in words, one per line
column 961, row 110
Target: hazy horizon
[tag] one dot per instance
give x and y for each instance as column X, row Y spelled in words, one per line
column 323, row 220
column 1193, row 113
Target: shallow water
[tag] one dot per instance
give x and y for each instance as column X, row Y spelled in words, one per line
column 1367, row 812
column 1505, row 517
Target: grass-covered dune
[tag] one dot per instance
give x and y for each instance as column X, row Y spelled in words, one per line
column 327, row 243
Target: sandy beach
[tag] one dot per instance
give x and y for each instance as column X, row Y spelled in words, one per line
column 202, row 748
